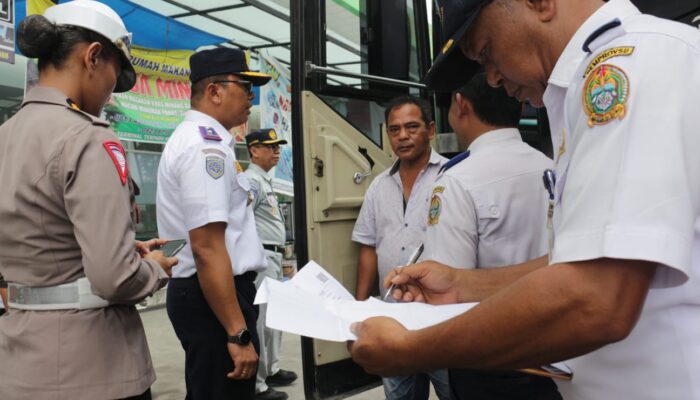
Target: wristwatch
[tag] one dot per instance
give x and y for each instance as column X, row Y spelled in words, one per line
column 242, row 337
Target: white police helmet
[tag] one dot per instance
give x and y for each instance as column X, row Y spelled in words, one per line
column 97, row 17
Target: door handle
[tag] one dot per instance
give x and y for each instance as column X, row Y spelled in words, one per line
column 359, row 177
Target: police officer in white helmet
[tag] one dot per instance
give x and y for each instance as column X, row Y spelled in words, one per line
column 67, row 237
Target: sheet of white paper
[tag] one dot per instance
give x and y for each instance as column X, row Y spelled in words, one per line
column 316, row 280
column 311, row 279
column 266, row 286
column 291, row 309
column 315, row 304
column 413, row 316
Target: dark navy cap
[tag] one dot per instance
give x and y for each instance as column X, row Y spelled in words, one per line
column 263, row 136
column 451, row 68
column 223, row 61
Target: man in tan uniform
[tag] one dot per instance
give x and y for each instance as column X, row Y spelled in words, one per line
column 264, row 150
column 67, row 240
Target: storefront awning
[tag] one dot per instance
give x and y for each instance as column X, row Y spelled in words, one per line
column 149, row 28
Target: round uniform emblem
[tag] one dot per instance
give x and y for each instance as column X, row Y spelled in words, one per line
column 434, row 210
column 605, row 93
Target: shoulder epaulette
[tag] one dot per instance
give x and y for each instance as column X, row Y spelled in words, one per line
column 93, row 119
column 208, row 133
column 454, row 161
column 604, row 28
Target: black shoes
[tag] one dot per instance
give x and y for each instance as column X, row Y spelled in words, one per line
column 281, row 378
column 271, row 394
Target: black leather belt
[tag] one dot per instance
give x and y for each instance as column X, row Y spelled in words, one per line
column 275, row 248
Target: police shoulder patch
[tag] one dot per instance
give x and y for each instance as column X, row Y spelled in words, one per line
column 215, row 166
column 116, row 153
column 605, row 94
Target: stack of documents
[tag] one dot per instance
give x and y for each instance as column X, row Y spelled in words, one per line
column 315, row 304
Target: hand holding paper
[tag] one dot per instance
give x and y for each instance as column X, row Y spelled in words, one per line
column 315, row 304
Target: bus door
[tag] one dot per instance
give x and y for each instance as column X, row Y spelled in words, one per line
column 349, row 57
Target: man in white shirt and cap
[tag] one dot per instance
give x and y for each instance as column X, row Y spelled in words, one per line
column 204, row 196
column 620, row 295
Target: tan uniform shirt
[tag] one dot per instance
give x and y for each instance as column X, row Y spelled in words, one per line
column 65, row 211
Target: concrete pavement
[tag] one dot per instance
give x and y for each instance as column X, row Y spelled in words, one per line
column 169, row 361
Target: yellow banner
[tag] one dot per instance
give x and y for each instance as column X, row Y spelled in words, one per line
column 38, row 6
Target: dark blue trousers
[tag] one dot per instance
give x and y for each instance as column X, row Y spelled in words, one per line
column 501, row 385
column 204, row 339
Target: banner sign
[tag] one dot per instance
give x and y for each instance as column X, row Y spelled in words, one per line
column 7, row 31
column 153, row 108
column 276, row 111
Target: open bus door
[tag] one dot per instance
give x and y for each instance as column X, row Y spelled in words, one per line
column 348, row 59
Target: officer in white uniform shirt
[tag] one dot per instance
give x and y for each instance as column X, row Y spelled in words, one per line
column 488, row 210
column 204, row 196
column 488, row 207
column 621, row 297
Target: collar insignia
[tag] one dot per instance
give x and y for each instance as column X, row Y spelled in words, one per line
column 208, row 133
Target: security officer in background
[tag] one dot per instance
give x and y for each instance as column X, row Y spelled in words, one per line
column 620, row 296
column 264, row 150
column 203, row 195
column 67, row 237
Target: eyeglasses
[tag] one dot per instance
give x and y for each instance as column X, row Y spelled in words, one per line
column 273, row 147
column 247, row 86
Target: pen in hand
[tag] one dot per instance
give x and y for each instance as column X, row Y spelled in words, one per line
column 411, row 260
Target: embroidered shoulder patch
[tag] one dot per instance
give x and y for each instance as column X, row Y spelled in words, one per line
column 605, row 94
column 215, row 166
column 435, row 208
column 208, row 133
column 606, row 55
column 116, row 153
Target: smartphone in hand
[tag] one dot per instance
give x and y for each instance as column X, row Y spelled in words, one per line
column 173, row 247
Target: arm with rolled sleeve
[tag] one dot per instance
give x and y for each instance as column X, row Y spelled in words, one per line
column 365, row 233
column 632, row 191
column 99, row 208
column 629, row 207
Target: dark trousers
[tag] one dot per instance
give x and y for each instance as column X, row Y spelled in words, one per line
column 204, row 339
column 501, row 385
